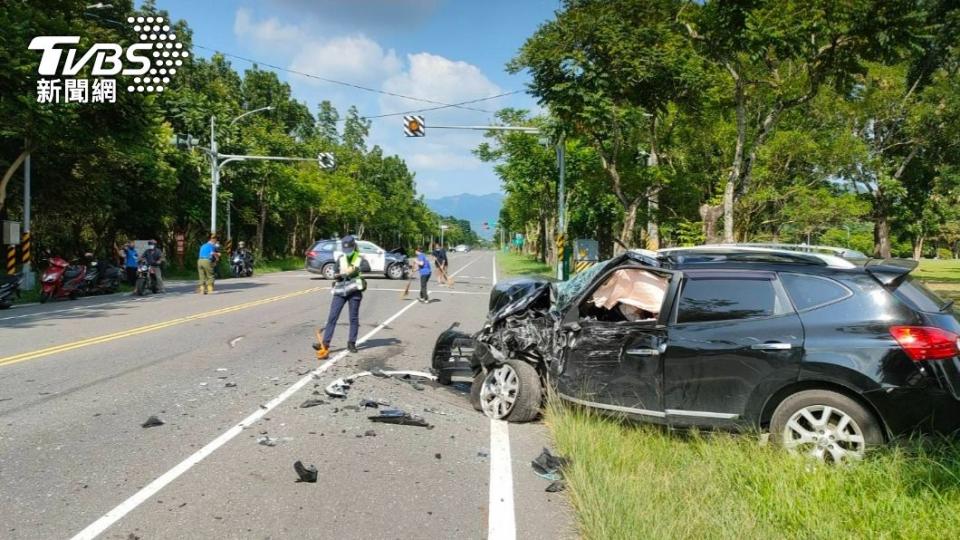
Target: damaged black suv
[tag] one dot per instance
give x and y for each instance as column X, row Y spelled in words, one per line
column 833, row 353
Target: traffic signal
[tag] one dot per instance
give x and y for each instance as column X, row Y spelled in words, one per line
column 326, row 161
column 413, row 126
column 183, row 141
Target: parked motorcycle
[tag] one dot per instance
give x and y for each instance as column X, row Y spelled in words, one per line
column 241, row 266
column 101, row 278
column 62, row 279
column 146, row 279
column 9, row 286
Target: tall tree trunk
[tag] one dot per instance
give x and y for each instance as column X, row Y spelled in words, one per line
column 262, row 220
column 729, row 190
column 9, row 174
column 629, row 223
column 918, row 246
column 710, row 214
column 881, row 229
column 653, row 192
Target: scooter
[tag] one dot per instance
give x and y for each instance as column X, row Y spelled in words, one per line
column 101, row 278
column 61, row 279
column 240, row 267
column 146, row 278
column 9, row 286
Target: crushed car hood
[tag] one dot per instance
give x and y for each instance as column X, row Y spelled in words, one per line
column 515, row 295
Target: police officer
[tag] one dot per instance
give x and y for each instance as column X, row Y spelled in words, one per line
column 347, row 290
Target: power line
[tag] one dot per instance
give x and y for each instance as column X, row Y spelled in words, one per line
column 343, row 83
column 443, row 106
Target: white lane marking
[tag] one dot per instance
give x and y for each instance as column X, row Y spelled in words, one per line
column 501, row 519
column 464, row 267
column 434, row 291
column 124, row 508
column 501, row 524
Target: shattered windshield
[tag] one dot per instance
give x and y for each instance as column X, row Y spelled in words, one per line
column 568, row 290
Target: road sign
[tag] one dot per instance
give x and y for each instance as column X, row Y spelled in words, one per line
column 326, row 161
column 413, row 126
column 11, row 232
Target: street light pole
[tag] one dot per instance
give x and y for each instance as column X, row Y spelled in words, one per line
column 214, row 175
column 561, row 222
column 28, row 280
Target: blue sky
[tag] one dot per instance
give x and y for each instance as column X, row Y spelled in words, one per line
column 445, row 50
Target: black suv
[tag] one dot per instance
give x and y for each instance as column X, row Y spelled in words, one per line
column 832, row 354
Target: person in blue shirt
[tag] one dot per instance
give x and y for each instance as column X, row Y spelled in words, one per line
column 129, row 255
column 423, row 264
column 205, row 264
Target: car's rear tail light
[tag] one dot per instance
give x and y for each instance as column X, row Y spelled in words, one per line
column 925, row 342
column 311, row 253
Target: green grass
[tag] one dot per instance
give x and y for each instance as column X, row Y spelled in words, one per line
column 517, row 264
column 940, row 270
column 635, row 481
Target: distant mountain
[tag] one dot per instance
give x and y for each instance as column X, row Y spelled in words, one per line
column 474, row 208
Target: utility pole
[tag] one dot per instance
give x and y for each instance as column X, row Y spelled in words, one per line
column 229, row 235
column 28, row 280
column 561, row 222
column 214, row 174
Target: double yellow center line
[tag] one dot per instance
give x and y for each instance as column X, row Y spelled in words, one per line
column 7, row 360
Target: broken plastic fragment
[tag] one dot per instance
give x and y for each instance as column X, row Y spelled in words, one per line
column 555, row 486
column 153, row 421
column 339, row 387
column 549, row 466
column 230, row 385
column 369, row 433
column 397, row 416
column 374, row 404
column 434, row 411
column 267, row 441
column 312, row 403
column 306, row 473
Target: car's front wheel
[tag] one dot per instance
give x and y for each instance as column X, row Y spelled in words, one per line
column 825, row 425
column 511, row 391
column 395, row 271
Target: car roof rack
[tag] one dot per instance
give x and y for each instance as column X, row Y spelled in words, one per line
column 845, row 253
column 757, row 253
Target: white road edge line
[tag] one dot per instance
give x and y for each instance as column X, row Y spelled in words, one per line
column 501, row 518
column 124, row 508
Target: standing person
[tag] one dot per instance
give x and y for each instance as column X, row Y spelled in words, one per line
column 205, row 264
column 423, row 264
column 440, row 259
column 129, row 255
column 347, row 290
column 153, row 256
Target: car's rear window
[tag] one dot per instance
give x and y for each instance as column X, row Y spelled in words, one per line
column 323, row 246
column 809, row 292
column 704, row 300
column 918, row 296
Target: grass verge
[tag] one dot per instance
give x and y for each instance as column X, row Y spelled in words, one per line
column 518, row 264
column 635, row 481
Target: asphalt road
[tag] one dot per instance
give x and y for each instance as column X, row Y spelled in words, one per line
column 77, row 379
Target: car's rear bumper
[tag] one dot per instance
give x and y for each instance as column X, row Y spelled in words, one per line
column 311, row 269
column 906, row 410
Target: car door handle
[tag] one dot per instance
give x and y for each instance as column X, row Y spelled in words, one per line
column 643, row 352
column 771, row 346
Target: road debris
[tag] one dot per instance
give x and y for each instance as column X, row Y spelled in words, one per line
column 233, row 342
column 153, row 421
column 222, row 369
column 399, row 417
column 306, row 473
column 549, row 466
column 555, row 486
column 230, row 385
column 272, row 441
column 369, row 433
column 312, row 403
column 374, row 403
column 437, row 455
column 339, row 387
column 435, row 411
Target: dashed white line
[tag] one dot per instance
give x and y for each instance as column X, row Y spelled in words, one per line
column 501, row 518
column 124, row 508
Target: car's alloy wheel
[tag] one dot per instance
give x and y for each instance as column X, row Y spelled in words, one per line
column 499, row 391
column 825, row 425
column 825, row 433
column 395, row 271
column 511, row 391
column 328, row 271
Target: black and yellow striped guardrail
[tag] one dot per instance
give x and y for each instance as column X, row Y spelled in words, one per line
column 229, row 245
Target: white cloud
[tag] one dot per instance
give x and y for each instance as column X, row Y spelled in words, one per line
column 442, row 161
column 438, row 79
column 354, row 58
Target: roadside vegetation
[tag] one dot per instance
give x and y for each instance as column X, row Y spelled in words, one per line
column 637, row 481
column 512, row 263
